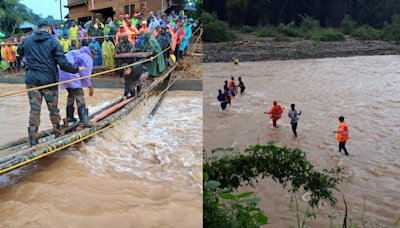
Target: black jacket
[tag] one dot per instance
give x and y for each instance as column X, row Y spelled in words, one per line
column 131, row 79
column 43, row 53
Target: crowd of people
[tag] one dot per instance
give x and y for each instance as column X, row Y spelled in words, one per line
column 124, row 35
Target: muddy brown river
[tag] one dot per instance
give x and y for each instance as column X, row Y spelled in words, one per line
column 140, row 173
column 365, row 90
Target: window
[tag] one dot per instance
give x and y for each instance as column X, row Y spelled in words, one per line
column 126, row 9
column 132, row 10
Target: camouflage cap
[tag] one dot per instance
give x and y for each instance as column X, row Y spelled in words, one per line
column 94, row 49
column 125, row 68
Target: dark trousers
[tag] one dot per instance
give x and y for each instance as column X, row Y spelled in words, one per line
column 294, row 126
column 76, row 94
column 35, row 101
column 242, row 89
column 178, row 53
column 19, row 59
column 223, row 105
column 342, row 146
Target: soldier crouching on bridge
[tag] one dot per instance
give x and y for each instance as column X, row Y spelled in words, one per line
column 43, row 53
column 135, row 76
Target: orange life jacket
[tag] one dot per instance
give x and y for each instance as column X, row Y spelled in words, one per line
column 276, row 111
column 343, row 132
column 231, row 85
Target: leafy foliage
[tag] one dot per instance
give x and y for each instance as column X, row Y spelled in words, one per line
column 326, row 35
column 216, row 30
column 280, row 37
column 247, row 29
column 283, row 165
column 348, row 25
column 264, row 33
column 289, row 30
column 367, row 32
column 392, row 31
column 309, row 24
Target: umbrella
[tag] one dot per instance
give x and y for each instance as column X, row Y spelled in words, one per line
column 178, row 8
column 2, row 35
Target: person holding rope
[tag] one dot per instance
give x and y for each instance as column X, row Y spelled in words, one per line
column 343, row 135
column 43, row 53
column 135, row 78
column 276, row 113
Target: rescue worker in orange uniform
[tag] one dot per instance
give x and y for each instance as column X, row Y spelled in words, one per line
column 232, row 86
column 144, row 28
column 276, row 113
column 343, row 135
column 121, row 32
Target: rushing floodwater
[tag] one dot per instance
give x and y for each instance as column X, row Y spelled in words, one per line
column 365, row 90
column 140, row 173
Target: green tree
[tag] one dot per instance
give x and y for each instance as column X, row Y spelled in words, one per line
column 12, row 14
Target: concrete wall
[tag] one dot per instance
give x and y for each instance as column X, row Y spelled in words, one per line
column 182, row 84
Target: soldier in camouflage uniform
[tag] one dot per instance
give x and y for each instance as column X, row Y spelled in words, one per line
column 135, row 77
column 44, row 54
column 124, row 47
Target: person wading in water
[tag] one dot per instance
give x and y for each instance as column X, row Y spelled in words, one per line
column 294, row 116
column 343, row 135
column 276, row 112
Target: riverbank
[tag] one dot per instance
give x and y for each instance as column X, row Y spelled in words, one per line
column 249, row 47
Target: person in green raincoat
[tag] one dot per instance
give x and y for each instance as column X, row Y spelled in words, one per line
column 157, row 65
column 108, row 52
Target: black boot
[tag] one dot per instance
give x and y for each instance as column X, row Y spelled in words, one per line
column 33, row 135
column 70, row 114
column 57, row 130
column 138, row 91
column 84, row 118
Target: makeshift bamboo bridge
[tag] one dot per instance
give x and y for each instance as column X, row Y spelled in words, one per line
column 17, row 153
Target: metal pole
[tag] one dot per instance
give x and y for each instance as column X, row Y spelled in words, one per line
column 162, row 7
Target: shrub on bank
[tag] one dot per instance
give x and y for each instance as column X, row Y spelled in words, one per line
column 392, row 31
column 348, row 25
column 367, row 32
column 216, row 30
column 289, row 30
column 326, row 35
column 281, row 37
column 309, row 24
column 264, row 33
column 247, row 29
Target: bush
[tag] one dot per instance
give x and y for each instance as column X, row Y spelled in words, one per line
column 348, row 25
column 264, row 33
column 289, row 30
column 280, row 37
column 392, row 31
column 326, row 35
column 247, row 29
column 309, row 23
column 367, row 32
column 216, row 30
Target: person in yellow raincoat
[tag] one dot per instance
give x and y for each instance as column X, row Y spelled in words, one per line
column 3, row 56
column 108, row 52
column 73, row 34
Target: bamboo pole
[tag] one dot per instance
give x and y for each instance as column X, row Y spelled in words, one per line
column 160, row 100
column 24, row 140
column 28, row 154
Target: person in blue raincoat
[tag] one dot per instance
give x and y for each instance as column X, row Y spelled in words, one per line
column 97, row 61
column 185, row 42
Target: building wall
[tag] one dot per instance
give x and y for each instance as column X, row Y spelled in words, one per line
column 76, row 12
column 143, row 6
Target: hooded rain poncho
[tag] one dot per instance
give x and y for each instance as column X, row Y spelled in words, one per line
column 97, row 60
column 153, row 24
column 156, row 66
column 82, row 57
column 108, row 53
